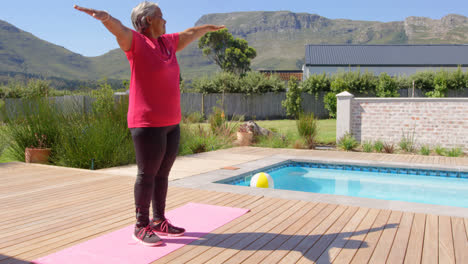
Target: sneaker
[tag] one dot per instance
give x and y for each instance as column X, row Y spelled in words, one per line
column 165, row 228
column 146, row 236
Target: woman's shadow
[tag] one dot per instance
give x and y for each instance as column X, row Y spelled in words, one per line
column 251, row 241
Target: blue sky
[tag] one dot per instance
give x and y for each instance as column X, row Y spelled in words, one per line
column 57, row 22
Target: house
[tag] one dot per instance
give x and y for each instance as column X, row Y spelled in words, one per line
column 392, row 59
column 284, row 75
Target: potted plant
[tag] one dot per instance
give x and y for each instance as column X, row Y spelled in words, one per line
column 39, row 152
column 244, row 135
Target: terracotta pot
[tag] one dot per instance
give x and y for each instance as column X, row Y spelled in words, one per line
column 244, row 138
column 37, row 155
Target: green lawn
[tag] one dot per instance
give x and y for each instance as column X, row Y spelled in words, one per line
column 326, row 128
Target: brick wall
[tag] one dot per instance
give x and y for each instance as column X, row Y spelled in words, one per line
column 432, row 121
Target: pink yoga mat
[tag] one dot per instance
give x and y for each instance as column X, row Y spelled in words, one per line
column 119, row 246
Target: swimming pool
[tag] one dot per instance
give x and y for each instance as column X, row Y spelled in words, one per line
column 439, row 187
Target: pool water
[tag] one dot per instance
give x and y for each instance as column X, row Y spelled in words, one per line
column 417, row 187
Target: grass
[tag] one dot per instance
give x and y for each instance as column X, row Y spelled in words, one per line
column 326, row 129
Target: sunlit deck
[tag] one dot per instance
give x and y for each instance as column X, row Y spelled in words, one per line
column 44, row 209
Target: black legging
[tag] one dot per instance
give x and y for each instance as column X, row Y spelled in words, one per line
column 156, row 150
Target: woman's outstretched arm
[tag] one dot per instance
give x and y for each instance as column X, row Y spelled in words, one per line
column 191, row 34
column 122, row 33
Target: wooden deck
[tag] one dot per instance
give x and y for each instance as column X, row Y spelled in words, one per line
column 44, row 209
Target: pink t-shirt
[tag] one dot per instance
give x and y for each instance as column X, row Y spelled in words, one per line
column 154, row 85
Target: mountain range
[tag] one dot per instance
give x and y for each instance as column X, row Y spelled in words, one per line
column 278, row 37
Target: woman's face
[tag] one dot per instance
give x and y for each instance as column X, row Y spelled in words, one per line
column 158, row 24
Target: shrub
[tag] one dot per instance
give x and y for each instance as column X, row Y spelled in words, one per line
column 273, row 141
column 425, row 150
column 292, row 104
column 388, row 147
column 440, row 150
column 259, row 83
column 307, row 129
column 347, row 142
column 216, row 119
column 194, row 117
column 441, row 84
column 316, row 83
column 454, row 152
column 378, row 146
column 34, row 117
column 407, row 142
column 423, row 80
column 387, row 86
column 97, row 140
column 329, row 101
column 195, row 139
column 367, row 146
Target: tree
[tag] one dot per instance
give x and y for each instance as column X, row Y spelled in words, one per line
column 229, row 53
column 293, row 99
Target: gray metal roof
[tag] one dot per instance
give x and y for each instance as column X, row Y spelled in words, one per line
column 386, row 55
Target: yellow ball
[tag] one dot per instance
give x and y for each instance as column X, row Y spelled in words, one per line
column 262, row 180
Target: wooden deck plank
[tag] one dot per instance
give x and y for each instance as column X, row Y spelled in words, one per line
column 281, row 230
column 258, row 210
column 385, row 242
column 69, row 233
column 277, row 243
column 262, row 225
column 61, row 207
column 130, row 219
column 327, row 238
column 431, row 240
column 446, row 251
column 460, row 240
column 292, row 242
column 398, row 250
column 335, row 247
column 297, row 252
column 416, row 240
column 353, row 243
column 466, row 226
column 367, row 247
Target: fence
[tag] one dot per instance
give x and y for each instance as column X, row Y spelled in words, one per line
column 429, row 121
column 260, row 107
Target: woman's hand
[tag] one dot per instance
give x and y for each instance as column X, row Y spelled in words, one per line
column 123, row 34
column 97, row 14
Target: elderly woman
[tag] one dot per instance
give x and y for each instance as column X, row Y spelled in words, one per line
column 154, row 108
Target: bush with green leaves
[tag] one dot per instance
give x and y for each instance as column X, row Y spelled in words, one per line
column 194, row 117
column 250, row 83
column 293, row 100
column 196, row 139
column 347, row 142
column 307, row 129
column 329, row 101
column 216, row 119
column 259, row 83
column 425, row 150
column 83, row 140
column 316, row 83
column 367, row 146
column 34, row 117
column 378, row 146
column 423, row 80
column 454, row 152
column 440, row 150
column 407, row 141
column 441, row 84
column 386, row 86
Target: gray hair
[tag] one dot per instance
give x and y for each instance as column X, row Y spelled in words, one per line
column 140, row 13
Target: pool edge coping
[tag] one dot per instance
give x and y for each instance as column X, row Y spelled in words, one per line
column 206, row 181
